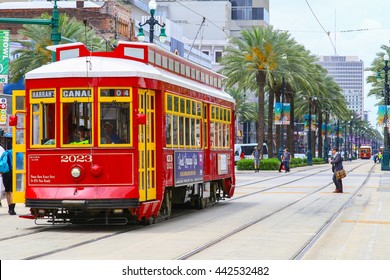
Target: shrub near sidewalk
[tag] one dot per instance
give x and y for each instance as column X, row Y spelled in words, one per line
column 273, row 163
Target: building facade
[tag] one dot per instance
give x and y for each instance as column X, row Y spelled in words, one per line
column 348, row 73
column 208, row 25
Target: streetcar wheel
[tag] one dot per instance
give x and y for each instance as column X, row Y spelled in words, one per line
column 166, row 207
column 201, row 203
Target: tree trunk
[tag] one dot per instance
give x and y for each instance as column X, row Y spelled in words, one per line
column 270, row 136
column 291, row 128
column 260, row 79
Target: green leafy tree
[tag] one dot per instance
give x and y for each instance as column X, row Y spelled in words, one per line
column 249, row 60
column 37, row 37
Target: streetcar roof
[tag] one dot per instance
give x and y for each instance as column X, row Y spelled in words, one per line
column 98, row 66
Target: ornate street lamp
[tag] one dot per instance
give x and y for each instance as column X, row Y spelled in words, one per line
column 345, row 141
column 386, row 148
column 152, row 22
column 338, row 135
column 309, row 152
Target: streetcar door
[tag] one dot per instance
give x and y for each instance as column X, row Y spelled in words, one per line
column 147, row 146
column 19, row 147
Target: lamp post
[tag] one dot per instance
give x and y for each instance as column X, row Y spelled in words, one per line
column 386, row 148
column 309, row 152
column 351, row 135
column 326, row 147
column 152, row 22
column 345, row 141
column 338, row 135
column 281, row 148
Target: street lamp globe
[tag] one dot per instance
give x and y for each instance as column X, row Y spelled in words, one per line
column 386, row 57
column 152, row 7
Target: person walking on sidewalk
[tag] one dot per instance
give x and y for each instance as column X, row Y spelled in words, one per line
column 7, row 181
column 256, row 158
column 337, row 165
column 286, row 159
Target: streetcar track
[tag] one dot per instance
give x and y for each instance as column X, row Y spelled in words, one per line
column 312, row 241
column 198, row 249
column 255, row 221
column 282, row 184
column 79, row 244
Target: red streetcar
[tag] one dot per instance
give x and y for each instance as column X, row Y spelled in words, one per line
column 110, row 137
column 365, row 152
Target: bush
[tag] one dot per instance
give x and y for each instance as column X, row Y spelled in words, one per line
column 245, row 164
column 269, row 164
column 273, row 163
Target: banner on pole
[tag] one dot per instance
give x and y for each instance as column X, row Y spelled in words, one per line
column 313, row 122
column 282, row 113
column 4, row 55
column 383, row 115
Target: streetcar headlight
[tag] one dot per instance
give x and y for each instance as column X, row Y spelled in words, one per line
column 76, row 172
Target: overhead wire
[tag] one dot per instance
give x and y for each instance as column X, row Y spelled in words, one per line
column 208, row 20
column 326, row 32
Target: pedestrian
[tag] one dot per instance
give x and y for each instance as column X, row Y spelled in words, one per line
column 380, row 157
column 7, row 182
column 242, row 155
column 349, row 157
column 286, row 160
column 256, row 158
column 337, row 165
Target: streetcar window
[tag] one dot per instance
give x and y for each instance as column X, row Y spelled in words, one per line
column 77, row 117
column 43, row 124
column 158, row 59
column 169, row 102
column 181, row 131
column 177, row 67
column 151, row 56
column 183, row 122
column 171, row 64
column 175, row 131
column 198, row 75
column 165, row 62
column 187, row 131
column 168, row 131
column 114, row 122
column 220, row 127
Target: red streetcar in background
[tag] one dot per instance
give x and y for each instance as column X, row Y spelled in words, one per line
column 109, row 137
column 365, row 152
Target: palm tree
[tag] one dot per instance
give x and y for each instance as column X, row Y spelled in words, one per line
column 249, row 60
column 37, row 37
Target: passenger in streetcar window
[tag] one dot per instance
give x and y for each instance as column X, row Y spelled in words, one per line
column 81, row 132
column 111, row 137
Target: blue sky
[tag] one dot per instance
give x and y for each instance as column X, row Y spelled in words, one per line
column 341, row 16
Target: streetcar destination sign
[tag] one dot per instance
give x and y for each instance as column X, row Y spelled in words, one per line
column 76, row 93
column 42, row 93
